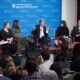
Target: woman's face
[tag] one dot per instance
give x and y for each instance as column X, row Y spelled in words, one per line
column 8, row 26
column 62, row 24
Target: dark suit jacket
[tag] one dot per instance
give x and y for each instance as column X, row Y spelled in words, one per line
column 37, row 32
column 75, row 31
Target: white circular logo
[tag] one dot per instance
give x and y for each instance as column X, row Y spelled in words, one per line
column 13, row 5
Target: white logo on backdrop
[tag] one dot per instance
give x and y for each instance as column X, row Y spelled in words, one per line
column 13, row 5
column 24, row 6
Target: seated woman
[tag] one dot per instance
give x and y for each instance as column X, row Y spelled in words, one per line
column 6, row 36
column 62, row 33
column 16, row 33
column 62, row 30
column 16, row 29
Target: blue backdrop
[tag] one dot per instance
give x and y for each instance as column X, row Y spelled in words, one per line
column 28, row 12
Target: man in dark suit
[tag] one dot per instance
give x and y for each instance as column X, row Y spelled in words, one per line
column 76, row 32
column 41, row 33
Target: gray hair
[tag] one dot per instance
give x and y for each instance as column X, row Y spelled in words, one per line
column 41, row 20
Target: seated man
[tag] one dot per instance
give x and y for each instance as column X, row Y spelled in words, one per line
column 41, row 33
column 76, row 32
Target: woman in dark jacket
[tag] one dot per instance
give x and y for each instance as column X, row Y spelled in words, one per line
column 62, row 30
column 6, row 36
column 62, row 33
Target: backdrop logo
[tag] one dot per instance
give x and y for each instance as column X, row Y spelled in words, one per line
column 29, row 12
column 24, row 6
column 13, row 5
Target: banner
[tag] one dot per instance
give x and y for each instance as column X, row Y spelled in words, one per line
column 29, row 12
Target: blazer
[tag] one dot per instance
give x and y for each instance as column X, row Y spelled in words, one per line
column 37, row 31
column 75, row 31
column 4, row 35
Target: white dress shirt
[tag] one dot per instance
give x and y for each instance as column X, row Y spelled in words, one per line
column 44, row 67
column 41, row 32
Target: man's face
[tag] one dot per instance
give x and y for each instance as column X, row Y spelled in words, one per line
column 42, row 23
column 79, row 23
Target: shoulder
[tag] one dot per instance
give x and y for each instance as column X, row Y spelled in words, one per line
column 37, row 25
column 67, row 28
column 58, row 27
column 2, row 31
column 44, row 27
column 13, row 28
column 51, row 74
column 10, row 30
column 25, row 78
column 75, row 27
column 6, row 78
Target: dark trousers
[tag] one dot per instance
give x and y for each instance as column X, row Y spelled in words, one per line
column 44, row 40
